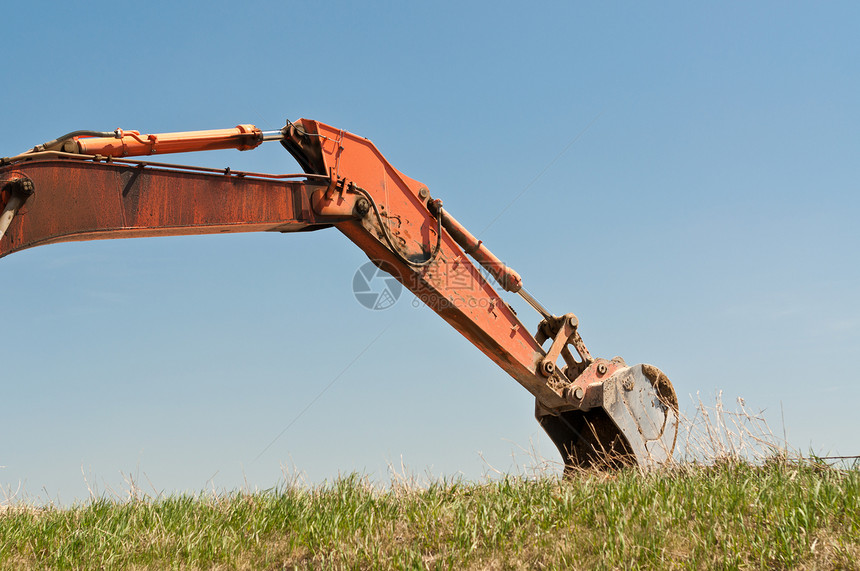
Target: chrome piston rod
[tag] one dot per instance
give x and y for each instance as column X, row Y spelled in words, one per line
column 534, row 303
column 19, row 190
column 9, row 212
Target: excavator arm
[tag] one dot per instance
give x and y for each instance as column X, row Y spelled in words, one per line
column 84, row 186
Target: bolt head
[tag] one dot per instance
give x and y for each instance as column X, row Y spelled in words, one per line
column 572, row 321
column 601, row 368
column 548, row 367
column 423, row 193
column 578, row 393
column 362, row 207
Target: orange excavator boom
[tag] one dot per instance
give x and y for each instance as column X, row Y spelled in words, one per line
column 84, row 186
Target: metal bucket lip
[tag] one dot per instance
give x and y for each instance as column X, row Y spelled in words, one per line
column 614, row 435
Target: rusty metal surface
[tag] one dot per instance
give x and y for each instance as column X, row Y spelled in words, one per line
column 78, row 200
column 563, row 331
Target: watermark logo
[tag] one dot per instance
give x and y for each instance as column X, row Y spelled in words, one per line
column 374, row 288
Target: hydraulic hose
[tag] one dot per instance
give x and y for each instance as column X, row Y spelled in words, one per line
column 57, row 144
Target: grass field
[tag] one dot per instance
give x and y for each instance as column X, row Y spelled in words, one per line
column 778, row 515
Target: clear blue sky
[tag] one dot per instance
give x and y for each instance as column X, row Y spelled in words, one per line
column 705, row 221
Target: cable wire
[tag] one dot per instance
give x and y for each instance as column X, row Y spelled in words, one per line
column 386, row 233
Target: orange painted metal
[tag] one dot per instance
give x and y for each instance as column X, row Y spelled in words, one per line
column 84, row 200
column 509, row 279
column 132, row 143
column 452, row 285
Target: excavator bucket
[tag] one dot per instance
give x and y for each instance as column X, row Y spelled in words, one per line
column 633, row 421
